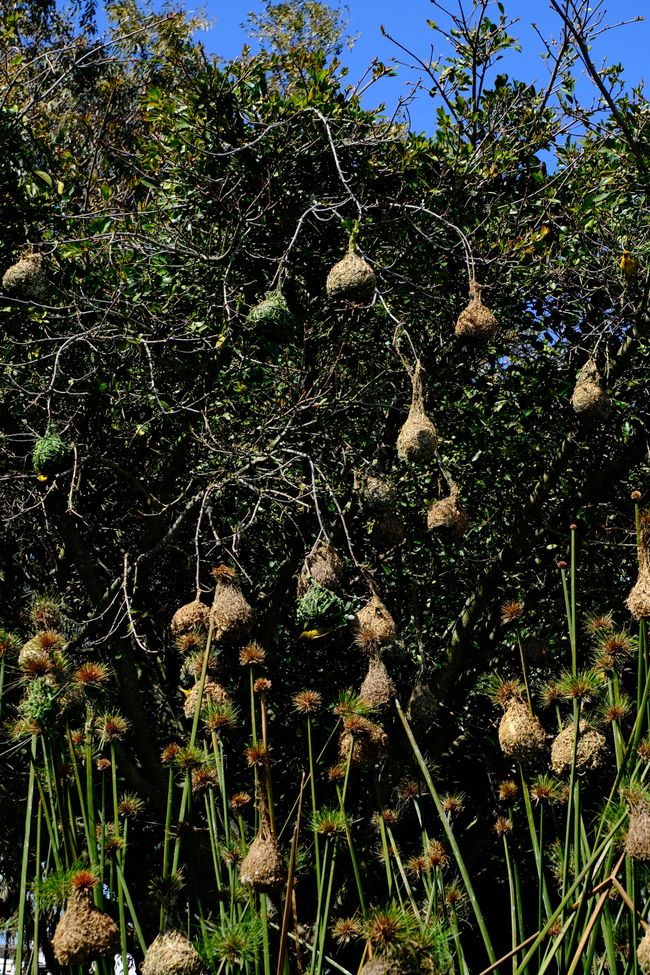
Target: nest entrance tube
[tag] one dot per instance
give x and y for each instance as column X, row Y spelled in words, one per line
column 418, row 440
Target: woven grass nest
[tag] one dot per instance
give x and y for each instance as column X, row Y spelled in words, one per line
column 324, row 565
column 374, row 625
column 367, row 740
column 380, row 965
column 231, row 614
column 26, row 277
column 213, row 693
column 172, row 954
column 377, row 689
column 50, row 454
column 84, row 934
column 589, row 400
column 637, row 843
column 272, row 310
column 417, row 440
column 449, row 514
column 191, row 616
column 378, row 492
column 638, row 602
column 352, row 279
column 590, row 753
column 521, row 736
column 476, row 321
column 422, row 707
column 643, row 952
column 262, row 867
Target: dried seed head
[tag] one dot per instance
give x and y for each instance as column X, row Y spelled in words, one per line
column 203, row 779
column 191, row 642
column 256, row 755
column 346, row 929
column 503, row 825
column 643, row 751
column 113, row 727
column 91, row 676
column 252, row 655
column 84, row 880
column 239, row 800
column 511, row 611
column 436, row 855
column 307, row 702
column 452, row 803
column 213, row 694
column 596, row 623
column 262, row 685
column 103, row 764
column 508, row 790
column 169, row 753
column 130, row 806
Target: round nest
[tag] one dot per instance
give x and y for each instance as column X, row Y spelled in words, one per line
column 191, row 616
column 374, row 625
column 50, row 454
column 84, row 933
column 231, row 614
column 590, row 753
column 588, row 400
column 213, row 693
column 637, row 844
column 638, row 602
column 387, row 531
column 521, row 736
column 324, row 565
column 272, row 310
column 422, row 707
column 172, row 954
column 367, row 740
column 643, row 952
column 378, row 492
column 417, row 441
column 377, row 689
column 262, row 867
column 26, row 278
column 475, row 320
column 448, row 513
column 352, row 279
column 381, row 966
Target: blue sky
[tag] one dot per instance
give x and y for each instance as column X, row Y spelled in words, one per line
column 407, row 22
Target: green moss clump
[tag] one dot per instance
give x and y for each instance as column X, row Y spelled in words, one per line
column 272, row 310
column 321, row 606
column 50, row 454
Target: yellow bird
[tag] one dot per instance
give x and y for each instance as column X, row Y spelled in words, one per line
column 313, row 634
column 629, row 266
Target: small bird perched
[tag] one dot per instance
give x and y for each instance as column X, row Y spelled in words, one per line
column 628, row 265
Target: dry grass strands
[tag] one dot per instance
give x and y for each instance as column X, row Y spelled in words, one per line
column 448, row 513
column 475, row 320
column 191, row 616
column 213, row 693
column 589, row 401
column 377, row 689
column 521, row 736
column 374, row 625
column 643, row 952
column 637, row 844
column 422, row 707
column 324, row 565
column 417, row 440
column 84, row 934
column 366, row 739
column 590, row 752
column 262, row 867
column 26, row 278
column 381, row 966
column 638, row 602
column 352, row 279
column 172, row 954
column 231, row 614
column 378, row 493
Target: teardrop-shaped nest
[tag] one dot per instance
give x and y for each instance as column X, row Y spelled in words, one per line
column 324, row 565
column 26, row 277
column 84, row 934
column 374, row 625
column 367, row 740
column 231, row 613
column 191, row 616
column 643, row 952
column 417, row 441
column 590, row 753
column 352, row 279
column 448, row 513
column 521, row 736
column 262, row 867
column 172, row 954
column 378, row 493
column 638, row 602
column 589, row 400
column 476, row 321
column 213, row 693
column 637, row 844
column 422, row 707
column 381, row 965
column 377, row 689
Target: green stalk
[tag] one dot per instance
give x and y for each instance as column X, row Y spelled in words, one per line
column 382, row 831
column 120, row 860
column 25, row 861
column 312, row 783
column 319, row 903
column 574, row 616
column 36, row 896
column 402, row 872
column 129, row 902
column 167, row 838
column 513, row 909
column 2, row 681
column 523, row 669
column 265, row 935
column 325, row 918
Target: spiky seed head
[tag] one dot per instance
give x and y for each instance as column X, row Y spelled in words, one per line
column 436, row 855
column 169, row 753
column 103, row 764
column 91, row 676
column 252, row 655
column 190, row 642
column 188, row 758
column 336, row 773
column 416, row 866
column 113, row 727
column 508, row 790
column 84, row 880
column 545, row 789
column 262, row 685
column 503, row 825
column 452, row 803
column 203, row 779
column 219, row 717
column 45, row 613
column 597, row 623
column 346, row 929
column 256, row 755
column 221, row 572
column 329, row 822
column 130, row 806
column 307, row 702
column 239, row 800
column 643, row 751
column 511, row 611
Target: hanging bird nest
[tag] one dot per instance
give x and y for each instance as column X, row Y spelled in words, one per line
column 172, row 954
column 262, row 867
column 231, row 614
column 352, row 279
column 381, row 965
column 448, row 513
column 374, row 625
column 378, row 492
column 191, row 616
column 643, row 952
column 322, row 565
column 272, row 310
column 26, row 278
column 422, row 707
column 638, row 602
column 521, row 736
column 377, row 690
column 475, row 320
column 50, row 454
column 367, row 740
column 213, row 693
column 590, row 753
column 637, row 844
column 589, row 400
column 417, row 440
column 84, row 934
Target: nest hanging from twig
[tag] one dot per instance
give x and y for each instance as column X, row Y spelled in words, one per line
column 365, row 739
column 191, row 616
column 589, row 400
column 26, row 277
column 84, row 933
column 352, row 279
column 448, row 513
column 374, row 625
column 638, row 602
column 262, row 867
column 590, row 752
column 172, row 954
column 377, row 689
column 231, row 613
column 476, row 321
column 521, row 736
column 417, row 440
column 324, row 565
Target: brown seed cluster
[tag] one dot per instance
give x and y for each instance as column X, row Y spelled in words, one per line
column 213, row 693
